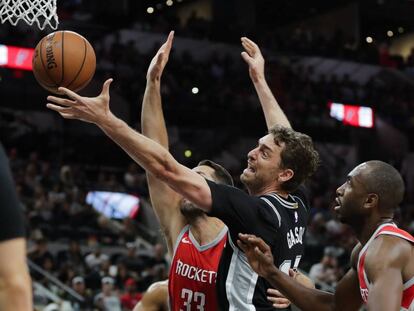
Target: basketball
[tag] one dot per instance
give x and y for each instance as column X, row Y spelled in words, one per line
column 63, row 58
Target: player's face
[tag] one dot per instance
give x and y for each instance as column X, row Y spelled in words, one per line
column 263, row 166
column 189, row 209
column 351, row 196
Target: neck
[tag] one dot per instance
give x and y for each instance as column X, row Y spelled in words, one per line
column 365, row 230
column 205, row 229
column 267, row 190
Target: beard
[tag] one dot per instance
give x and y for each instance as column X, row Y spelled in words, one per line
column 250, row 182
column 190, row 211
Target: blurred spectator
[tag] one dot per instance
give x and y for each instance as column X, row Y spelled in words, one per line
column 107, row 299
column 131, row 296
column 72, row 255
column 326, row 270
column 78, row 285
column 131, row 260
column 96, row 258
column 41, row 256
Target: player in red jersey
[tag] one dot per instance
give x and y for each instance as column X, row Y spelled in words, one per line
column 382, row 272
column 195, row 240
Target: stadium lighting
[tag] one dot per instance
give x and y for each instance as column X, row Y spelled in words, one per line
column 400, row 29
column 390, row 33
column 188, row 153
column 150, row 10
column 194, row 90
column 169, row 3
column 369, row 39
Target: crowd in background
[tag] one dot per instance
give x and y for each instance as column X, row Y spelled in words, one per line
column 99, row 257
column 73, row 242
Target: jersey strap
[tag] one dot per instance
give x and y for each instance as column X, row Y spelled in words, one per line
column 393, row 230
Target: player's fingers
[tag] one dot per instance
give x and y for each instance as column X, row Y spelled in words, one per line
column 245, row 238
column 281, row 305
column 274, row 292
column 106, row 86
column 67, row 115
column 292, row 273
column 278, row 300
column 61, row 101
column 252, row 43
column 246, row 58
column 247, row 44
column 59, row 109
column 169, row 42
column 249, row 49
column 70, row 94
column 259, row 253
column 242, row 246
column 258, row 242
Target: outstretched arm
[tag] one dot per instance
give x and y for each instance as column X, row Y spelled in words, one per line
column 260, row 259
column 271, row 109
column 150, row 155
column 165, row 201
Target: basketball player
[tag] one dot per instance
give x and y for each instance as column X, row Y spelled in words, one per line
column 275, row 208
column 15, row 285
column 195, row 240
column 180, row 220
column 155, row 298
column 382, row 266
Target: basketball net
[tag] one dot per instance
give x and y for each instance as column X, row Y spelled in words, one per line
column 41, row 12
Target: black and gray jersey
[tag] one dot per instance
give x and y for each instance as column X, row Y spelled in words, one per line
column 279, row 221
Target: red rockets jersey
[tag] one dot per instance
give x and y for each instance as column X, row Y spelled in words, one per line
column 193, row 272
column 407, row 302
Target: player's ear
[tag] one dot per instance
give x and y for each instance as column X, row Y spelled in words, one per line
column 286, row 175
column 371, row 200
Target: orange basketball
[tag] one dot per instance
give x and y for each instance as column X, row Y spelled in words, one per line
column 64, row 58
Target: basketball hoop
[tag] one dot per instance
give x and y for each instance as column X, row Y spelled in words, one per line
column 41, row 12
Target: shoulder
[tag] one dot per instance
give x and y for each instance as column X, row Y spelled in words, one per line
column 158, row 286
column 216, row 187
column 389, row 248
column 387, row 252
column 157, row 293
column 229, row 195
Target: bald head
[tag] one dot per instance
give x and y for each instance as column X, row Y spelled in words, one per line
column 385, row 181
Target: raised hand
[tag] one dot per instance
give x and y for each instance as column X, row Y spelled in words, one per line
column 258, row 254
column 160, row 59
column 88, row 109
column 254, row 58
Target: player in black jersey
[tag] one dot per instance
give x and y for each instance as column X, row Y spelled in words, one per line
column 275, row 208
column 15, row 287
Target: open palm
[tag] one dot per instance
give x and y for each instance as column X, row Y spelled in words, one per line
column 254, row 58
column 87, row 109
column 160, row 59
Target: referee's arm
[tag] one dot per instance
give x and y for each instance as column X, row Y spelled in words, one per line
column 15, row 285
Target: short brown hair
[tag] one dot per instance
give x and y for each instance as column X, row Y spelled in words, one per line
column 298, row 154
column 221, row 174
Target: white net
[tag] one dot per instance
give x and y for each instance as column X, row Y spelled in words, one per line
column 41, row 12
